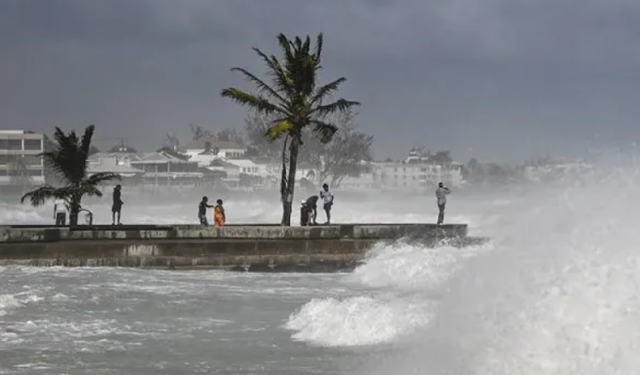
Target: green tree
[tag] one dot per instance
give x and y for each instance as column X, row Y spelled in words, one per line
column 295, row 100
column 348, row 154
column 68, row 159
column 198, row 133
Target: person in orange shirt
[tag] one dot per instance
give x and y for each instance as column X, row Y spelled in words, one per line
column 219, row 217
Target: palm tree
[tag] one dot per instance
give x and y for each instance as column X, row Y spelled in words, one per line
column 68, row 159
column 295, row 100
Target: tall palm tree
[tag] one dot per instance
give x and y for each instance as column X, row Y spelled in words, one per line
column 295, row 100
column 68, row 159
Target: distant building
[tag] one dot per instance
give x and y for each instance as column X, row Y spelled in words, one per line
column 200, row 150
column 162, row 169
column 19, row 160
column 420, row 170
column 109, row 163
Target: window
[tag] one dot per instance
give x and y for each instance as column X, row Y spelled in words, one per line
column 31, row 160
column 8, row 159
column 14, row 144
column 33, row 144
column 4, row 144
column 34, row 172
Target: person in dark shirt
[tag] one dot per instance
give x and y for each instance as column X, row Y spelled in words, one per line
column 312, row 205
column 117, row 205
column 202, row 211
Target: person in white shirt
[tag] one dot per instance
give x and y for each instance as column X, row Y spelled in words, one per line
column 60, row 209
column 327, row 198
column 441, row 195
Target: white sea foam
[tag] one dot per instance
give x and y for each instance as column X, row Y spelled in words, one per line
column 354, row 321
column 557, row 294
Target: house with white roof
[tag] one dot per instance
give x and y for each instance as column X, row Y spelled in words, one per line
column 163, row 169
column 205, row 151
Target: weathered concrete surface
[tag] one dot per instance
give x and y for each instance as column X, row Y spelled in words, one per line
column 235, row 247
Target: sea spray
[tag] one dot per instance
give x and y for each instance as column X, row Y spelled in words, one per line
column 558, row 295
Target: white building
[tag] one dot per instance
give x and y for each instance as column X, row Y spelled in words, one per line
column 19, row 160
column 418, row 176
column 105, row 163
column 205, row 151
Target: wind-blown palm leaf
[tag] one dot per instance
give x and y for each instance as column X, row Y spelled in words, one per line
column 90, row 190
column 85, row 148
column 256, row 102
column 263, row 87
column 340, row 105
column 318, row 50
column 98, row 178
column 327, row 90
column 39, row 196
column 324, row 129
column 278, row 75
column 281, row 128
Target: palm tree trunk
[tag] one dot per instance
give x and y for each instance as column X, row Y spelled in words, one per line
column 74, row 211
column 287, row 201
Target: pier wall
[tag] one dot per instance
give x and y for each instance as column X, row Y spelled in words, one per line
column 233, row 247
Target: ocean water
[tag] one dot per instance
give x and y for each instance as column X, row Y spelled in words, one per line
column 555, row 291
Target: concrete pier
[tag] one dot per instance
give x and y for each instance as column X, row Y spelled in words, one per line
column 233, row 247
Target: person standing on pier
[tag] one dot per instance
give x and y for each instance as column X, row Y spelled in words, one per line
column 117, row 205
column 312, row 206
column 441, row 195
column 327, row 198
column 60, row 209
column 202, row 210
column 219, row 215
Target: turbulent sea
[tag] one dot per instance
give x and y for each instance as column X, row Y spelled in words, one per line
column 555, row 291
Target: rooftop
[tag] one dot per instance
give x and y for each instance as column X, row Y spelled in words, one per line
column 222, row 145
column 110, row 165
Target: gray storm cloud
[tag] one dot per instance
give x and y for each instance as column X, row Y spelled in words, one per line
column 496, row 79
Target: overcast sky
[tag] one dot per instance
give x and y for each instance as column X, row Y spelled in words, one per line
column 502, row 80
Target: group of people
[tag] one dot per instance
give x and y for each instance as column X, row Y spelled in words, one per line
column 308, row 211
column 219, row 217
column 61, row 208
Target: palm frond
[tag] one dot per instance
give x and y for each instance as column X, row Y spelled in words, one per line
column 324, row 130
column 276, row 71
column 285, row 45
column 85, row 143
column 39, row 196
column 262, row 86
column 255, row 102
column 279, row 129
column 89, row 190
column 97, row 178
column 326, row 90
column 318, row 51
column 340, row 105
